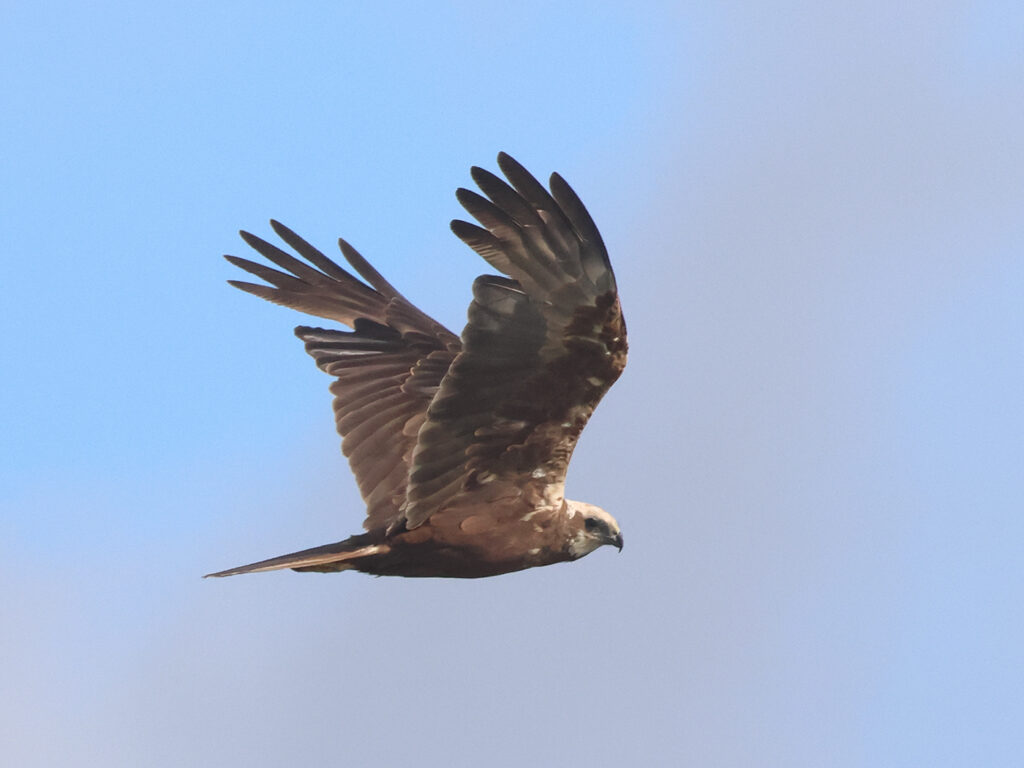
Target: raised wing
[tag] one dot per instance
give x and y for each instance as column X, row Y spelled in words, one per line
column 387, row 369
column 539, row 351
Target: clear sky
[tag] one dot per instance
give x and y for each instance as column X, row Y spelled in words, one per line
column 816, row 453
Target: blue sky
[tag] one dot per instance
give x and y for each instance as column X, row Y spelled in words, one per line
column 815, row 453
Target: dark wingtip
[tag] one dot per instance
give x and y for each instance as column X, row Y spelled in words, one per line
column 509, row 165
column 483, row 177
column 465, row 229
column 250, row 239
column 283, row 231
column 469, row 199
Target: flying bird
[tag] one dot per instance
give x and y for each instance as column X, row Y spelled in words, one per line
column 460, row 446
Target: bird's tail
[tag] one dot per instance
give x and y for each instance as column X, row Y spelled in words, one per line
column 341, row 556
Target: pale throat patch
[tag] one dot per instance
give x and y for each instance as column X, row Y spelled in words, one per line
column 582, row 544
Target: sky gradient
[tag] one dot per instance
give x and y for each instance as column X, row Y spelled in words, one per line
column 816, row 453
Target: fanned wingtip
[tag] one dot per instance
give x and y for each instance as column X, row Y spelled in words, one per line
column 481, row 175
column 250, row 239
column 465, row 229
column 510, row 166
column 283, row 231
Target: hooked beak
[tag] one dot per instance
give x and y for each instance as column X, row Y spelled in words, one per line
column 617, row 540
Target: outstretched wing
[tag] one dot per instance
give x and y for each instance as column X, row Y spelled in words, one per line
column 387, row 369
column 540, row 348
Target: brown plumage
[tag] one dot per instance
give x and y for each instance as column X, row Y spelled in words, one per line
column 460, row 446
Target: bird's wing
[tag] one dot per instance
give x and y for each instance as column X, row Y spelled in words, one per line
column 540, row 349
column 387, row 369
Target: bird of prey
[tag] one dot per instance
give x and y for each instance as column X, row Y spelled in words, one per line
column 460, row 446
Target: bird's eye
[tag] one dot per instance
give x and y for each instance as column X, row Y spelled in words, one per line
column 592, row 524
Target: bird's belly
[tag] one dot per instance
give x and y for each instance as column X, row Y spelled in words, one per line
column 467, row 557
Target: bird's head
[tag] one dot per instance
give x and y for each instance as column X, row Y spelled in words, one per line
column 592, row 528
